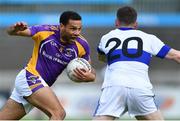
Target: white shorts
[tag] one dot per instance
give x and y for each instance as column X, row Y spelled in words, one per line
column 117, row 100
column 26, row 84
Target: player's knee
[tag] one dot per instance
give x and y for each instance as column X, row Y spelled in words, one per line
column 62, row 114
column 58, row 114
column 152, row 116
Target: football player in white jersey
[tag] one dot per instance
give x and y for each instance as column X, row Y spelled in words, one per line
column 126, row 86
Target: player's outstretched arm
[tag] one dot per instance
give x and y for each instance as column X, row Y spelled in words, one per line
column 173, row 55
column 19, row 29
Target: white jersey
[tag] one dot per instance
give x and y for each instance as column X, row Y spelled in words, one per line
column 128, row 53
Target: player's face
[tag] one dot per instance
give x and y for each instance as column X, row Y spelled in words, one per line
column 71, row 31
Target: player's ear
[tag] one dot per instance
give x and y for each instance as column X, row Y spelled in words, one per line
column 135, row 25
column 117, row 23
column 61, row 25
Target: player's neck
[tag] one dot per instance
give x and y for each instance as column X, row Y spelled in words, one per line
column 133, row 25
column 126, row 26
column 65, row 40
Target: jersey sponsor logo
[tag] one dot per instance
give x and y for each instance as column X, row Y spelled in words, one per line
column 69, row 52
column 54, row 58
column 61, row 49
column 59, row 54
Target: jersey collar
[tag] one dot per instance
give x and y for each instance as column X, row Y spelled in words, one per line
column 125, row 28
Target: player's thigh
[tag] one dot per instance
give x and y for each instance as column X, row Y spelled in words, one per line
column 12, row 111
column 152, row 116
column 45, row 100
column 112, row 102
column 141, row 102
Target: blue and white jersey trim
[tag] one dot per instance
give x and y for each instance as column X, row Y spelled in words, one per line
column 144, row 58
column 164, row 50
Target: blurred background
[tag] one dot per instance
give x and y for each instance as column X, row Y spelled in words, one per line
column 159, row 17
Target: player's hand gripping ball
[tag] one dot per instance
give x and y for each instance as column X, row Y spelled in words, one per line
column 77, row 63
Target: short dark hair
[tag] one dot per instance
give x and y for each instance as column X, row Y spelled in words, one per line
column 126, row 15
column 67, row 15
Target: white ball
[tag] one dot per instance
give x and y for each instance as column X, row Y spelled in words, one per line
column 77, row 63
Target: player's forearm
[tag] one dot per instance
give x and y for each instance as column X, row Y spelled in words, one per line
column 177, row 57
column 174, row 55
column 12, row 31
column 19, row 29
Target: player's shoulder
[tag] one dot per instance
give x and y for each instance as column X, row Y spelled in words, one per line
column 109, row 34
column 41, row 32
column 144, row 34
column 82, row 39
column 83, row 45
column 46, row 27
column 51, row 27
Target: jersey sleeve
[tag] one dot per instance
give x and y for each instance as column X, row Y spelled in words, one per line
column 35, row 29
column 41, row 32
column 159, row 49
column 101, row 47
